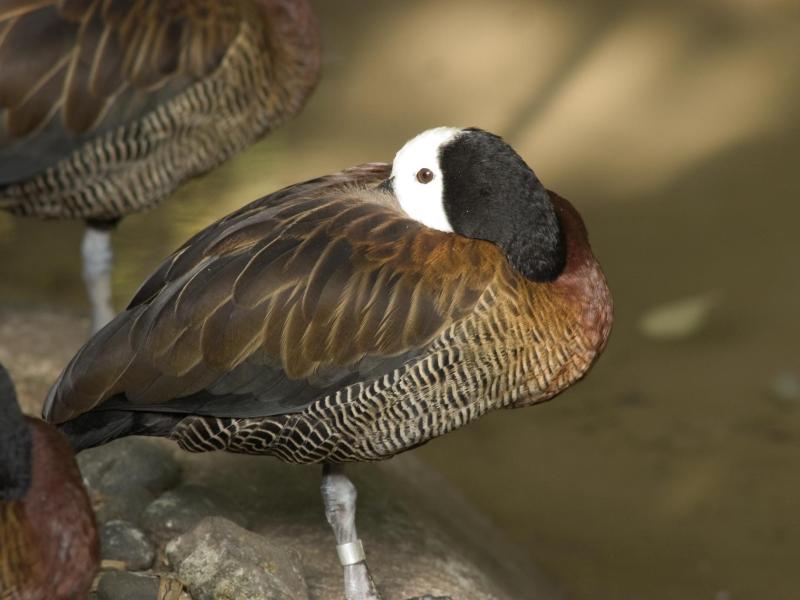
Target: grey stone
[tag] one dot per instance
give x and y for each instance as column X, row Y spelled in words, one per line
column 180, row 509
column 128, row 506
column 421, row 537
column 219, row 559
column 123, row 541
column 119, row 585
column 128, row 464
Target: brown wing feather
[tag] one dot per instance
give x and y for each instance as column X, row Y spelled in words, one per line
column 301, row 286
column 101, row 61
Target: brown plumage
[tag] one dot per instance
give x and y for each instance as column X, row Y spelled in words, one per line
column 49, row 548
column 352, row 317
column 106, row 106
column 322, row 323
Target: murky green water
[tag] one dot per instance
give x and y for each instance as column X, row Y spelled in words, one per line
column 671, row 472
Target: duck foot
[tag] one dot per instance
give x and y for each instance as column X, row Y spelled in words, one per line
column 339, row 497
column 97, row 257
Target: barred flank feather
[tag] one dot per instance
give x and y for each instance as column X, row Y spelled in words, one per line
column 122, row 101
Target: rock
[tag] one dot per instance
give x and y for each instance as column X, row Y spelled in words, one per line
column 421, row 536
column 129, row 506
column 178, row 510
column 123, row 541
column 219, row 559
column 119, row 585
column 129, row 464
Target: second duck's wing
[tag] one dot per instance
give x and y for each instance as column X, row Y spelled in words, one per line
column 298, row 294
column 73, row 69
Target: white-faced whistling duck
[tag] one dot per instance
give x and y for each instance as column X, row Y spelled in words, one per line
column 105, row 107
column 49, row 548
column 352, row 317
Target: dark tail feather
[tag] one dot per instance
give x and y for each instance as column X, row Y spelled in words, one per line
column 102, row 426
column 15, row 445
column 11, row 418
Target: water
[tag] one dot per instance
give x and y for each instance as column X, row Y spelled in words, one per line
column 671, row 471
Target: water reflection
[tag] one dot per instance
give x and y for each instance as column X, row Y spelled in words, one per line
column 669, row 473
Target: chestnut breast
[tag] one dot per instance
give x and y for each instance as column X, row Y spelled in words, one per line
column 562, row 325
column 53, row 545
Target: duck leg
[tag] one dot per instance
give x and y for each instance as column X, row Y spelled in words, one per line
column 97, row 257
column 339, row 498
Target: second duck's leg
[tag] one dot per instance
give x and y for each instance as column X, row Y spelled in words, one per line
column 97, row 257
column 339, row 497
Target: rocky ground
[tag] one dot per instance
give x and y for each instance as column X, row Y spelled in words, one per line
column 178, row 526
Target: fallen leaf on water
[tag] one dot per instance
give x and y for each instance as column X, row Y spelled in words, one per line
column 785, row 388
column 679, row 319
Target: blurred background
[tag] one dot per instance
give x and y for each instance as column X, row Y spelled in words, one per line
column 672, row 470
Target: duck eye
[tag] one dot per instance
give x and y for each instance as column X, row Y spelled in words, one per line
column 424, row 175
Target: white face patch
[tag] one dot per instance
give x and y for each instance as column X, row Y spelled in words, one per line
column 423, row 202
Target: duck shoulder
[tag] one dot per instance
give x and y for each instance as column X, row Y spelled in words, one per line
column 302, row 292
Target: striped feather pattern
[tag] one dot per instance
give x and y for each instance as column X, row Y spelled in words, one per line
column 300, row 292
column 94, row 54
column 127, row 99
column 492, row 359
column 320, row 323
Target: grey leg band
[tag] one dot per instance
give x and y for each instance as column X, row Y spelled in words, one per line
column 351, row 553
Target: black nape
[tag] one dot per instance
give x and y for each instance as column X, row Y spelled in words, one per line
column 490, row 193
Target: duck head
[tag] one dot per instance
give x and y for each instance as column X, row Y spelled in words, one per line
column 471, row 182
